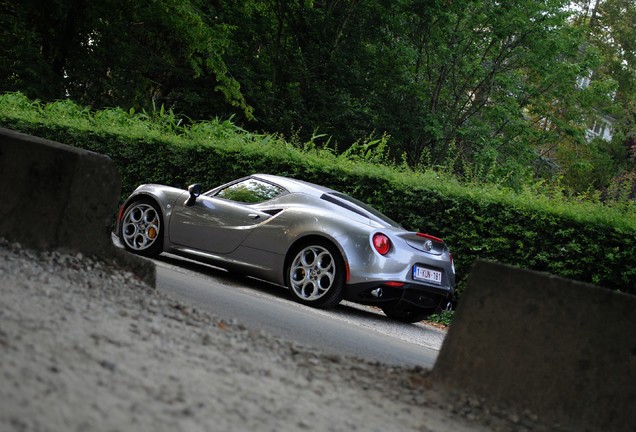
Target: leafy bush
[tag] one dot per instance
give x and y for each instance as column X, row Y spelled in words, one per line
column 443, row 318
column 580, row 240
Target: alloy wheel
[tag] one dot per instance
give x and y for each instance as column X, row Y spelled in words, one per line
column 141, row 226
column 312, row 273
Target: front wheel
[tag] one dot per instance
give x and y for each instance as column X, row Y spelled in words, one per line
column 406, row 313
column 316, row 274
column 141, row 228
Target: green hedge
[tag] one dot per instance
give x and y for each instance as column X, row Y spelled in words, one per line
column 584, row 241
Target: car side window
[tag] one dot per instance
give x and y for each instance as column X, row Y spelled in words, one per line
column 250, row 191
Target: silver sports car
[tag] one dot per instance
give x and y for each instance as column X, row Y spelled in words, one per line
column 323, row 245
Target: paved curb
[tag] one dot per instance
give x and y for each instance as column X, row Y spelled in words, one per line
column 54, row 196
column 562, row 349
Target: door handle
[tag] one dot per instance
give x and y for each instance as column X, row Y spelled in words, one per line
column 253, row 216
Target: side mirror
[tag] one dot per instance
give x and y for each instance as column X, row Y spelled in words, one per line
column 195, row 191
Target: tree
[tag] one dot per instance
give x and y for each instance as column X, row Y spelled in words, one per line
column 303, row 64
column 610, row 27
column 486, row 89
column 116, row 53
column 475, row 82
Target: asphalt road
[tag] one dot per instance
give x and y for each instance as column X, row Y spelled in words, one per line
column 349, row 329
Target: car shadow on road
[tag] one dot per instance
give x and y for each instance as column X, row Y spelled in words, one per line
column 224, row 276
column 236, row 279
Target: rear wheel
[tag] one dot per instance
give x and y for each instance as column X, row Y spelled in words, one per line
column 407, row 313
column 316, row 274
column 141, row 228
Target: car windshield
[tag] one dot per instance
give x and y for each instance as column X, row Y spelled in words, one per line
column 359, row 207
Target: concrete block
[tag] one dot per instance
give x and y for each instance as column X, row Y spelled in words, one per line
column 564, row 350
column 54, row 196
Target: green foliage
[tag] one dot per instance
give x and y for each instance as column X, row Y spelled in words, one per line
column 443, row 318
column 372, row 150
column 483, row 90
column 118, row 53
column 547, row 231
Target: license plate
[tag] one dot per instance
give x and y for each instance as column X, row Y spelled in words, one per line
column 426, row 274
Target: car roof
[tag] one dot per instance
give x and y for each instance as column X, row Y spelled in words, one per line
column 340, row 199
column 294, row 185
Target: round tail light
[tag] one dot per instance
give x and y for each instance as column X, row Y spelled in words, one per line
column 381, row 243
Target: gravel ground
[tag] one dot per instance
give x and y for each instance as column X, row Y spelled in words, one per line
column 87, row 347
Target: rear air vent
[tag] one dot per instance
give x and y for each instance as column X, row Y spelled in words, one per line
column 272, row 212
column 334, row 200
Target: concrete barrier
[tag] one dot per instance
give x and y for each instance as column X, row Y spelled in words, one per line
column 53, row 196
column 564, row 350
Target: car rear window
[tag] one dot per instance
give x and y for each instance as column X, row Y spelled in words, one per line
column 357, row 206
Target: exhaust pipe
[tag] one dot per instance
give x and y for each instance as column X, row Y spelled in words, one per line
column 377, row 293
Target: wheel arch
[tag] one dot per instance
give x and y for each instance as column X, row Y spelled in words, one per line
column 133, row 199
column 163, row 199
column 158, row 198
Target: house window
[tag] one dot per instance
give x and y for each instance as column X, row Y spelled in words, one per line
column 599, row 128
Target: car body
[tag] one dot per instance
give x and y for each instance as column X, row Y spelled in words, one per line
column 323, row 245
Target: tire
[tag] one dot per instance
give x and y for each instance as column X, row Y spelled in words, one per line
column 406, row 313
column 141, row 229
column 315, row 274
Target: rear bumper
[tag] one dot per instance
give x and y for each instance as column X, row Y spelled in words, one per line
column 420, row 295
